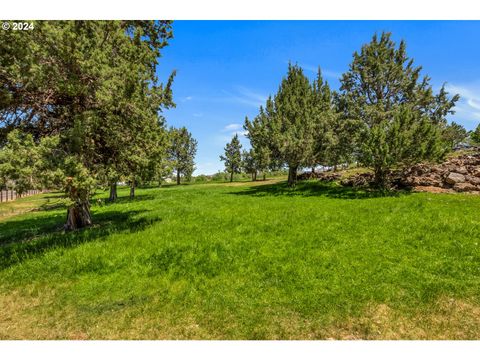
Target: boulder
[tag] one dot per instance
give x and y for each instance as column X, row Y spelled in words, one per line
column 358, row 180
column 476, row 171
column 462, row 187
column 454, row 178
column 473, row 179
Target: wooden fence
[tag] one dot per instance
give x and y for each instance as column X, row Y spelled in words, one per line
column 10, row 195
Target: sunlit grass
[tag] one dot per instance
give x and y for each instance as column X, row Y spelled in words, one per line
column 252, row 261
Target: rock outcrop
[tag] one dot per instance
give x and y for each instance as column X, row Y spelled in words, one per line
column 322, row 176
column 460, row 174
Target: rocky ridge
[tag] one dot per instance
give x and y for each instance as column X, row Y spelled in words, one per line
column 458, row 174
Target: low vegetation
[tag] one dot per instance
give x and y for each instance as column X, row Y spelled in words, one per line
column 251, row 261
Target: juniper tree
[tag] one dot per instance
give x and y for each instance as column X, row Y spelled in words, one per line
column 18, row 157
column 249, row 163
column 383, row 91
column 475, row 135
column 324, row 120
column 294, row 127
column 90, row 82
column 182, row 150
column 233, row 157
column 453, row 134
column 293, row 122
column 257, row 133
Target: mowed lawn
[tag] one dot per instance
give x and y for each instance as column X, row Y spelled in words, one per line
column 245, row 261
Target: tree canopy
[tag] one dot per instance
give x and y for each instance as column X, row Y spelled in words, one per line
column 92, row 83
column 182, row 150
column 401, row 119
column 233, row 157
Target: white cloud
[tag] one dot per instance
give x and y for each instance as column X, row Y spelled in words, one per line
column 467, row 109
column 244, row 95
column 325, row 72
column 239, row 95
column 232, row 127
column 186, row 98
column 472, row 103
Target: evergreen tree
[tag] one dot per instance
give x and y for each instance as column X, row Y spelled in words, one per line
column 475, row 135
column 182, row 150
column 18, row 158
column 258, row 134
column 91, row 82
column 383, row 92
column 233, row 157
column 454, row 134
column 249, row 163
column 293, row 129
column 324, row 121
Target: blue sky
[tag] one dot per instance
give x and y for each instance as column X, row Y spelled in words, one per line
column 226, row 69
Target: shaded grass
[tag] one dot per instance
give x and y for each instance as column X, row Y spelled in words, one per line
column 249, row 262
column 316, row 188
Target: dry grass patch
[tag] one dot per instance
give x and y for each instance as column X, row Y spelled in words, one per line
column 447, row 319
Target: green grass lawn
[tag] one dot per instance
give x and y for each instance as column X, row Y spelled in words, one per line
column 245, row 261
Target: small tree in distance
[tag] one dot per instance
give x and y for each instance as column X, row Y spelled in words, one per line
column 475, row 135
column 233, row 157
column 454, row 134
column 183, row 148
column 249, row 163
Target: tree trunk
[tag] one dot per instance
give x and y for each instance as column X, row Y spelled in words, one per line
column 231, row 176
column 255, row 175
column 335, row 167
column 264, row 176
column 178, row 177
column 292, row 176
column 313, row 170
column 113, row 192
column 78, row 216
column 132, row 189
column 381, row 178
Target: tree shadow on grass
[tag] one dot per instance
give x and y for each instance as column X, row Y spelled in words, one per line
column 60, row 202
column 30, row 237
column 318, row 188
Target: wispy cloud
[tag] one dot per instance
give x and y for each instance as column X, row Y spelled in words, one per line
column 186, row 98
column 237, row 95
column 232, row 127
column 328, row 73
column 229, row 131
column 247, row 96
column 467, row 109
column 325, row 72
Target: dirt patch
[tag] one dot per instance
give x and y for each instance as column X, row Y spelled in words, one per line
column 447, row 319
column 433, row 189
column 31, row 315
